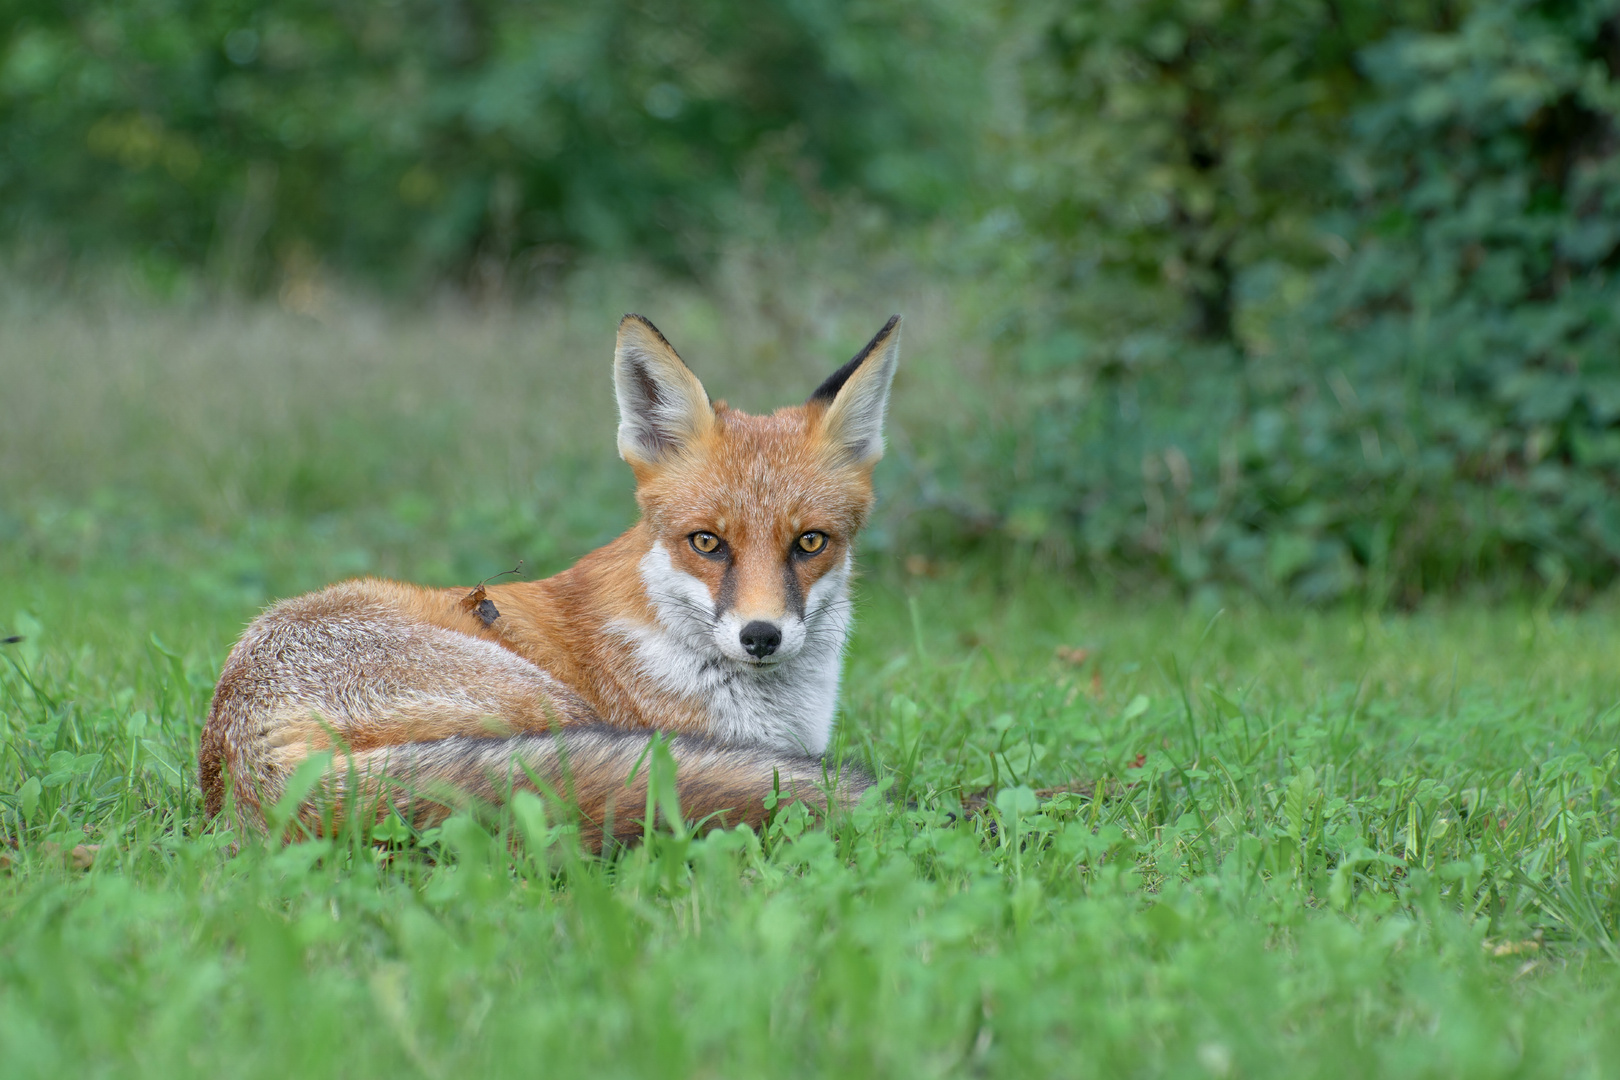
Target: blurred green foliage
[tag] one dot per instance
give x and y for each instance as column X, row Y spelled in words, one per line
column 1311, row 298
column 415, row 138
column 1181, row 142
column 1394, row 243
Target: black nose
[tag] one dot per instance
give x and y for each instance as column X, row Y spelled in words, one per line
column 760, row 638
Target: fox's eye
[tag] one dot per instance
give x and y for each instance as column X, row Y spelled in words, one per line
column 705, row 543
column 812, row 542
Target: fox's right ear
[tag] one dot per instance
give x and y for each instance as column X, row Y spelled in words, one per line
column 856, row 396
column 662, row 406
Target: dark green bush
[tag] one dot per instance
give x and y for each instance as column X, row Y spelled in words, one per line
column 1176, row 143
column 410, row 139
column 1431, row 399
column 1313, row 298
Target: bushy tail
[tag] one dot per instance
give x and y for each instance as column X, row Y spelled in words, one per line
column 585, row 768
column 211, row 752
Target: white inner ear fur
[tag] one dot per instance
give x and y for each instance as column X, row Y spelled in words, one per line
column 854, row 421
column 662, row 406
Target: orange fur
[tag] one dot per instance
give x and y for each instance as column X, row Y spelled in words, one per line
column 405, row 680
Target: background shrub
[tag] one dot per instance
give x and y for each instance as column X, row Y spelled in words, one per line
column 1308, row 298
column 1394, row 244
column 411, row 140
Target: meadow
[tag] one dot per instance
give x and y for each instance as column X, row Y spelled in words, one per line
column 1122, row 832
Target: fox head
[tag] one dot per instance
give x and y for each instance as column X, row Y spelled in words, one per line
column 751, row 518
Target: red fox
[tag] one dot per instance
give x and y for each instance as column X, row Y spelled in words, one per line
column 719, row 620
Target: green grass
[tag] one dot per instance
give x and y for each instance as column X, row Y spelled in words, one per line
column 1294, row 843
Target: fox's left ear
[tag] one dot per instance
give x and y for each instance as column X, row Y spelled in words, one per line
column 857, row 395
column 663, row 409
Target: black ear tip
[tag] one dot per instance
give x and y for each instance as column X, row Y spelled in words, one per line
column 647, row 325
column 835, row 382
column 632, row 317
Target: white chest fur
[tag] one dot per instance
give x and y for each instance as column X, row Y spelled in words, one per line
column 788, row 704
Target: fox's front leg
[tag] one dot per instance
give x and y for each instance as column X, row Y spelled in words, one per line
column 356, row 667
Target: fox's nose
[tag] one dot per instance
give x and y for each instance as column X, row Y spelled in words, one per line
column 760, row 638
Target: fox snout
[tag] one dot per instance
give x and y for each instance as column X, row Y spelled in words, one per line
column 760, row 638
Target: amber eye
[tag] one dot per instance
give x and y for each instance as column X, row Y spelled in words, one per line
column 705, row 543
column 812, row 542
